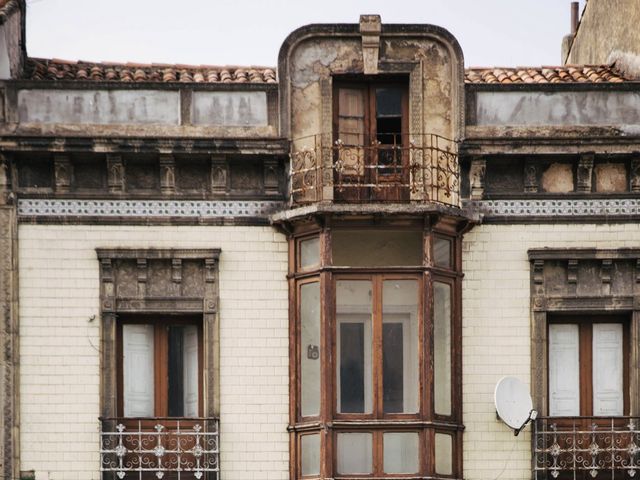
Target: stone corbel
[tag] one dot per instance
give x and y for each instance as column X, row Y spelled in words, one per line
column 634, row 180
column 271, row 177
column 530, row 177
column 176, row 270
column 142, row 268
column 370, row 28
column 585, row 172
column 115, row 174
column 477, row 176
column 167, row 174
column 62, row 173
column 572, row 276
column 219, row 175
column 605, row 276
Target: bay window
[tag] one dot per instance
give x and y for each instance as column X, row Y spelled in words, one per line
column 376, row 390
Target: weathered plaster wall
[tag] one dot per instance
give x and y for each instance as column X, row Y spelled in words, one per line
column 230, row 108
column 606, row 26
column 59, row 381
column 560, row 108
column 496, row 331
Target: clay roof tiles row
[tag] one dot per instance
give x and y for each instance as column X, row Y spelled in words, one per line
column 540, row 75
column 42, row 69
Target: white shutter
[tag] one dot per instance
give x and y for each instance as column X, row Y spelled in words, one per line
column 190, row 374
column 137, row 366
column 564, row 370
column 608, row 397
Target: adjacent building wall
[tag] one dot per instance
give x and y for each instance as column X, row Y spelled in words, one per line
column 496, row 331
column 607, row 27
column 60, row 341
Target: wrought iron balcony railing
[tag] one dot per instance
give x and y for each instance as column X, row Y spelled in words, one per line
column 150, row 448
column 388, row 168
column 587, row 447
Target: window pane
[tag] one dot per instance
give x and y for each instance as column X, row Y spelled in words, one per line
column 138, row 372
column 442, row 347
column 373, row 248
column 608, row 393
column 401, row 452
column 310, row 348
column 444, row 447
column 388, row 102
column 183, row 371
column 353, row 323
column 310, row 453
column 564, row 370
column 310, row 252
column 355, row 453
column 442, row 252
column 400, row 346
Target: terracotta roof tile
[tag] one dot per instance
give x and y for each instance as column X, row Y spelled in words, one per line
column 55, row 69
column 539, row 75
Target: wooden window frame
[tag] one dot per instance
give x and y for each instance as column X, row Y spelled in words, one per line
column 585, row 331
column 161, row 355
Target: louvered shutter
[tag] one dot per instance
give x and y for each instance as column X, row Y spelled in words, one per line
column 138, row 373
column 608, row 397
column 564, row 370
column 190, row 373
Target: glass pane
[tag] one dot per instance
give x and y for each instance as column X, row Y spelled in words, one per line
column 355, row 453
column 444, row 447
column 310, row 453
column 310, row 252
column 442, row 252
column 310, row 348
column 377, row 248
column 442, row 347
column 183, row 371
column 400, row 360
column 353, row 324
column 388, row 102
column 401, row 452
column 138, row 370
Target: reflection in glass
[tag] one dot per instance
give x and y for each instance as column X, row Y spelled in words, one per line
column 355, row 453
column 444, row 447
column 310, row 454
column 310, row 348
column 376, row 248
column 353, row 344
column 401, row 452
column 400, row 359
column 310, row 252
column 442, row 347
column 442, row 252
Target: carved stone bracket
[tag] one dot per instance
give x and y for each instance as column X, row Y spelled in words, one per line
column 530, row 177
column 271, row 184
column 115, row 173
column 585, row 173
column 572, row 275
column 219, row 175
column 167, row 174
column 634, row 180
column 370, row 28
column 477, row 176
column 62, row 173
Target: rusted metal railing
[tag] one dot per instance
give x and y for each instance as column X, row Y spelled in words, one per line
column 586, row 447
column 387, row 168
column 145, row 448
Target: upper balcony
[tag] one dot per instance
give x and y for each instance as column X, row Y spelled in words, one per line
column 385, row 168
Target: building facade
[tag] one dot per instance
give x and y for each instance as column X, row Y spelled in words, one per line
column 319, row 273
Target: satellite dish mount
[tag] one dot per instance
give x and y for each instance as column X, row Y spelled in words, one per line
column 513, row 404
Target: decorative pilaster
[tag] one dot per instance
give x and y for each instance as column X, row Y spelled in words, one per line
column 530, row 177
column 370, row 28
column 219, row 175
column 62, row 173
column 477, row 176
column 115, row 174
column 167, row 174
column 271, row 186
column 585, row 172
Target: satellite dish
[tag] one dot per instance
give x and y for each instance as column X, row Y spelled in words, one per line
column 513, row 403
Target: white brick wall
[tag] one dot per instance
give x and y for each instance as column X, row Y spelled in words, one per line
column 496, row 333
column 59, row 376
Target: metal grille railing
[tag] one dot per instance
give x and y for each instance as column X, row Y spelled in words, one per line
column 587, row 447
column 387, row 168
column 145, row 448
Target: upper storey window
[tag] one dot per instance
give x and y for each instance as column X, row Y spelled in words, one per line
column 370, row 131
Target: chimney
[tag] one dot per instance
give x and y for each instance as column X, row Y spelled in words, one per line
column 574, row 17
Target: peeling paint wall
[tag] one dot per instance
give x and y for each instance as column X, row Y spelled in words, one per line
column 558, row 108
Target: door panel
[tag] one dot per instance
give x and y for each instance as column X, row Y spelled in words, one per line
column 564, row 370
column 138, row 370
column 608, row 397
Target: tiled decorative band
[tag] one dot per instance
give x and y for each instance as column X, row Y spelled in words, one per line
column 568, row 208
column 145, row 208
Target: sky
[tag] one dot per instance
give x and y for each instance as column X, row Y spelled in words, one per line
column 250, row 32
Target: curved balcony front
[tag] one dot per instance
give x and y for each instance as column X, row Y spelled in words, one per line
column 396, row 168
